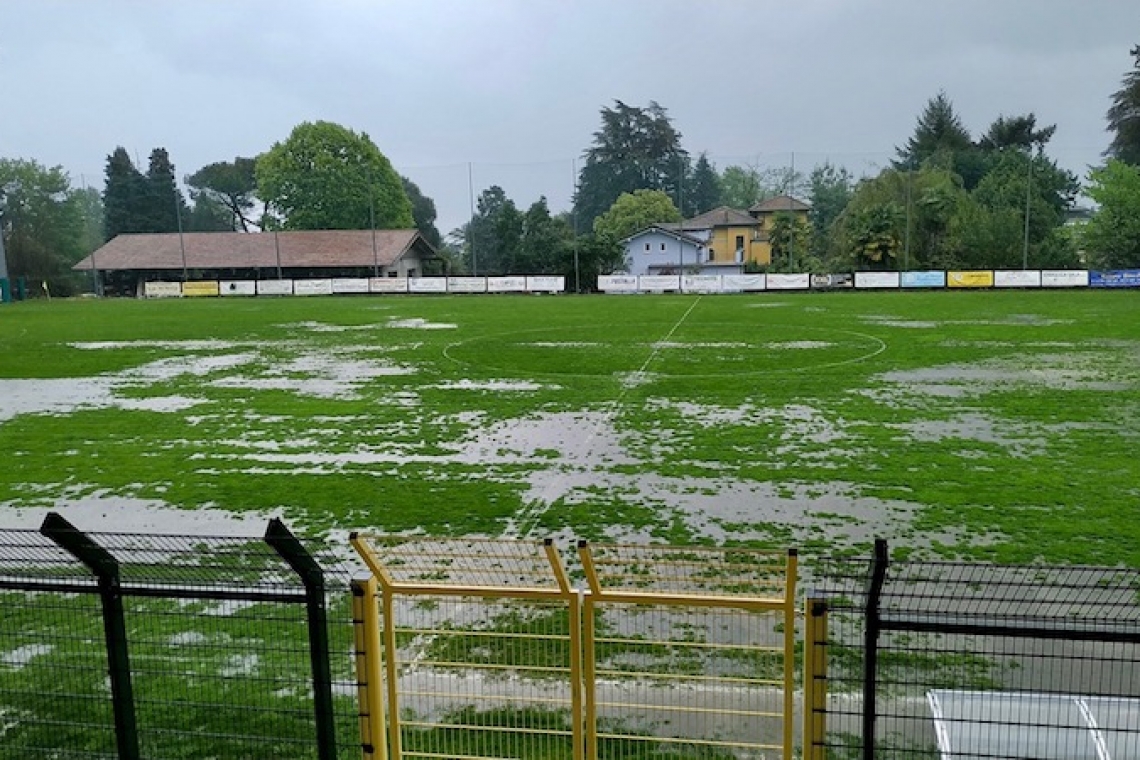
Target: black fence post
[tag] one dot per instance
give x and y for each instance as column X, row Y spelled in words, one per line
column 282, row 540
column 871, row 645
column 106, row 569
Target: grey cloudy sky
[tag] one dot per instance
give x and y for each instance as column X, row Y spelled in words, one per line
column 514, row 86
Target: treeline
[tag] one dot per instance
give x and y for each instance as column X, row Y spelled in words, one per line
column 949, row 200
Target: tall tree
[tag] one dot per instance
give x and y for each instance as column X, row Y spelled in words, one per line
column 209, row 215
column 788, row 237
column 1112, row 236
column 703, row 188
column 423, row 212
column 829, row 189
column 325, row 176
column 635, row 211
column 1016, row 132
column 231, row 184
column 546, row 241
column 1124, row 116
column 166, row 209
column 940, row 140
column 744, row 186
column 939, row 130
column 42, row 223
column 635, row 149
column 493, row 235
column 124, row 196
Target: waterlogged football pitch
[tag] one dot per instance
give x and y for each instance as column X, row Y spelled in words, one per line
column 995, row 425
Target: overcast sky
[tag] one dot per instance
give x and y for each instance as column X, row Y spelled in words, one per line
column 514, row 87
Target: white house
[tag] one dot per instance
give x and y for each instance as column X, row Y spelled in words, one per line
column 659, row 250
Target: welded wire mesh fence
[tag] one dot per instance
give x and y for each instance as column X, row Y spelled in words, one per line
column 948, row 659
column 125, row 645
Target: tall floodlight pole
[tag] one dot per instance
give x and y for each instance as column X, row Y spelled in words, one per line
column 906, row 245
column 3, row 257
column 574, row 222
column 470, row 224
column 181, row 241
column 94, row 271
column 372, row 225
column 792, row 213
column 1028, row 187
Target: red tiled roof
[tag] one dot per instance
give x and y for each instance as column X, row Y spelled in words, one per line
column 309, row 249
column 780, row 203
column 720, row 217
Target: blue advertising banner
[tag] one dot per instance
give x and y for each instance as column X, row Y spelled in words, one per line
column 923, row 279
column 1115, row 278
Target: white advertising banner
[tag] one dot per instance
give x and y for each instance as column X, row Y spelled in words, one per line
column 312, row 287
column 546, row 284
column 617, row 283
column 275, row 287
column 789, row 281
column 738, row 282
column 658, row 282
column 387, row 284
column 466, row 284
column 237, row 288
column 162, row 289
column 1065, row 278
column 1017, row 279
column 876, row 279
column 427, row 285
column 510, row 284
column 350, row 285
column 701, row 283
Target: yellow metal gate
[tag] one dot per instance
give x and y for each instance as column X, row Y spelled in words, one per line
column 502, row 649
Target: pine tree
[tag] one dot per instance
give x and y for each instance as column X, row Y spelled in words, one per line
column 165, row 208
column 124, row 195
column 1124, row 116
column 704, row 188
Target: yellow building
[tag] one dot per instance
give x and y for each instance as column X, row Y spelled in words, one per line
column 764, row 213
column 738, row 237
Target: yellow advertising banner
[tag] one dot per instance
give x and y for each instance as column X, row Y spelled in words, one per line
column 201, row 288
column 969, row 279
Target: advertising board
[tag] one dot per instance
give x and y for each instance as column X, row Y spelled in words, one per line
column 546, row 284
column 658, row 282
column 617, row 283
column 1115, row 278
column 510, row 284
column 427, row 285
column 971, row 279
column 1064, row 278
column 275, row 287
column 789, row 281
column 162, row 289
column 200, row 288
column 350, row 285
column 387, row 284
column 1028, row 278
column 927, row 279
column 312, row 287
column 237, row 288
column 877, row 280
column 701, row 283
column 466, row 284
column 736, row 283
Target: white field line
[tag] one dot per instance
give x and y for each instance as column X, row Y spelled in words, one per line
column 530, row 515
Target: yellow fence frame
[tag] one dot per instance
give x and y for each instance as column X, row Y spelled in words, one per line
column 815, row 678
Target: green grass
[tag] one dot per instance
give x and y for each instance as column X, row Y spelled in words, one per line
column 796, row 392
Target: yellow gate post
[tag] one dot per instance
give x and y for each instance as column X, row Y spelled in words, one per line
column 366, row 634
column 815, row 678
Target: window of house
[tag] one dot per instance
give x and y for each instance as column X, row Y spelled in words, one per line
column 740, row 242
column 647, row 246
column 663, row 246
